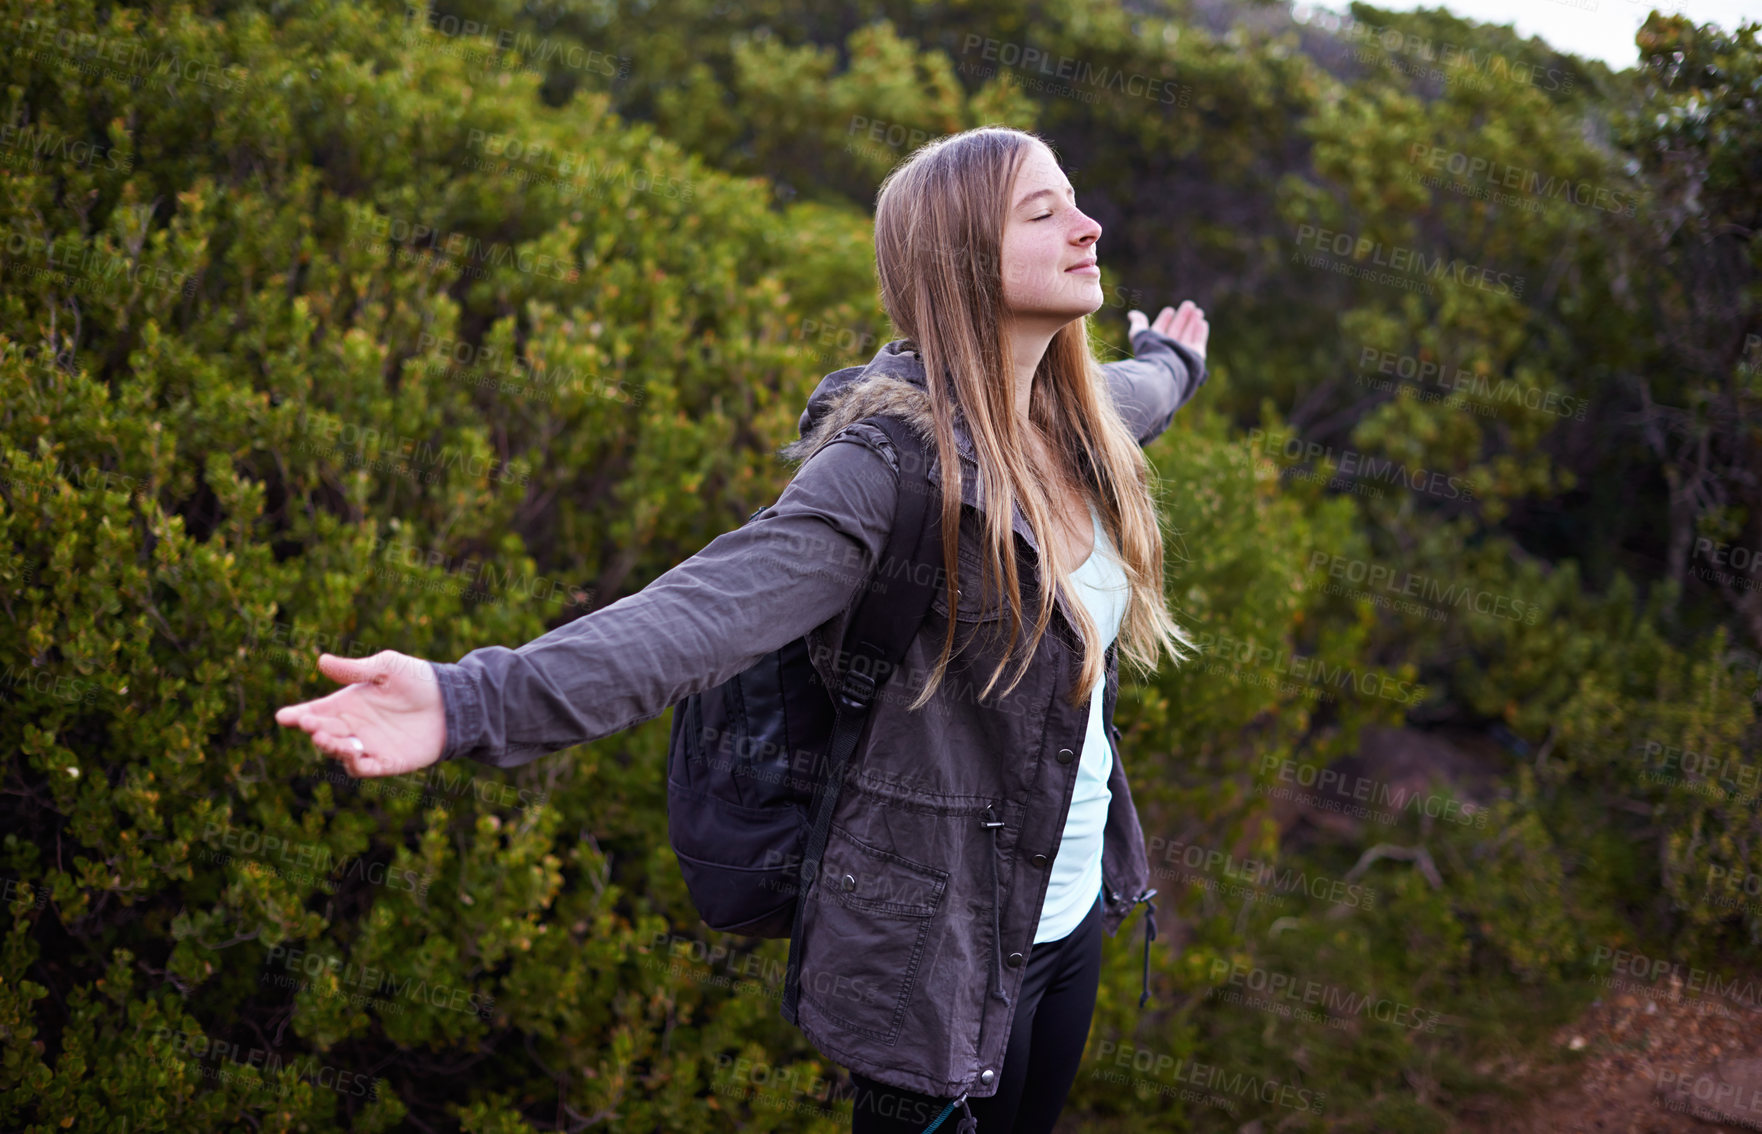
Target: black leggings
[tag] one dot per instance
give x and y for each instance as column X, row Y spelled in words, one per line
column 1045, row 1045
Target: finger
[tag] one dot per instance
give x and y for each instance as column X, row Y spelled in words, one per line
column 367, row 766
column 290, row 714
column 1191, row 319
column 361, row 763
column 328, row 723
column 350, row 671
column 338, row 743
column 1165, row 320
column 327, row 705
column 343, row 753
column 1135, row 322
column 295, row 716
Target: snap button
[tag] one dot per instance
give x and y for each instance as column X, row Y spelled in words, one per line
column 1065, row 755
column 1015, row 960
column 849, row 882
column 987, row 1075
column 1039, row 860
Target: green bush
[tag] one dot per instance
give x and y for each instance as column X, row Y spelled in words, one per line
column 342, row 327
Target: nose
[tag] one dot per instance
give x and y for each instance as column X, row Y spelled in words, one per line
column 1089, row 232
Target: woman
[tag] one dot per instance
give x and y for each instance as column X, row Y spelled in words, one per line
column 952, row 955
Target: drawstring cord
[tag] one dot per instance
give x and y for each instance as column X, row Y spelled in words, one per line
column 967, row 1125
column 992, row 823
column 1149, row 936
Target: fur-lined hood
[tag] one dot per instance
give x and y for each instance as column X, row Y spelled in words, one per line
column 893, row 383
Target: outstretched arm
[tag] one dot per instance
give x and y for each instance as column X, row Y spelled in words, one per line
column 1168, row 368
column 749, row 591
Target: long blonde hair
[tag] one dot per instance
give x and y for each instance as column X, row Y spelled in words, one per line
column 939, row 221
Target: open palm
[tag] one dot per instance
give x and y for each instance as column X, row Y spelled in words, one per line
column 387, row 721
column 1186, row 326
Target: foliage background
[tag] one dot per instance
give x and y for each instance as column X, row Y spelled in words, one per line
column 340, row 326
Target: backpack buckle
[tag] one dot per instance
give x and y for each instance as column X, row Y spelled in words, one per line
column 857, row 690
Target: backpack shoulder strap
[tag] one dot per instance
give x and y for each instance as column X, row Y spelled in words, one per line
column 886, row 620
column 899, row 592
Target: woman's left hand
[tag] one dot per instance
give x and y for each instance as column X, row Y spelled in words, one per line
column 1186, row 326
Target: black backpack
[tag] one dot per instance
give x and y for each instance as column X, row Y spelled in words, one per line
column 754, row 765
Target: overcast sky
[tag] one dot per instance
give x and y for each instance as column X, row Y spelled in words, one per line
column 1595, row 29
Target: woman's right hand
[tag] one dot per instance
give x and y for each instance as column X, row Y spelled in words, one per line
column 387, row 721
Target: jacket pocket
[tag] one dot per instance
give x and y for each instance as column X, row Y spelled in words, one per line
column 872, row 915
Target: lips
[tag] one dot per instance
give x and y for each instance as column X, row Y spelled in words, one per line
column 1086, row 266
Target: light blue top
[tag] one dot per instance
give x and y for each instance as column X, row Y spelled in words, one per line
column 1101, row 585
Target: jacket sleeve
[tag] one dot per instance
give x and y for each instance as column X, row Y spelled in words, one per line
column 784, row 572
column 1161, row 378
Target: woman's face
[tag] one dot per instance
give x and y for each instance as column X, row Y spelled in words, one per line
column 1045, row 237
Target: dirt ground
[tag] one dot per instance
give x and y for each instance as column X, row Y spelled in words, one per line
column 1649, row 1056
column 1636, row 1060
column 1648, row 1052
